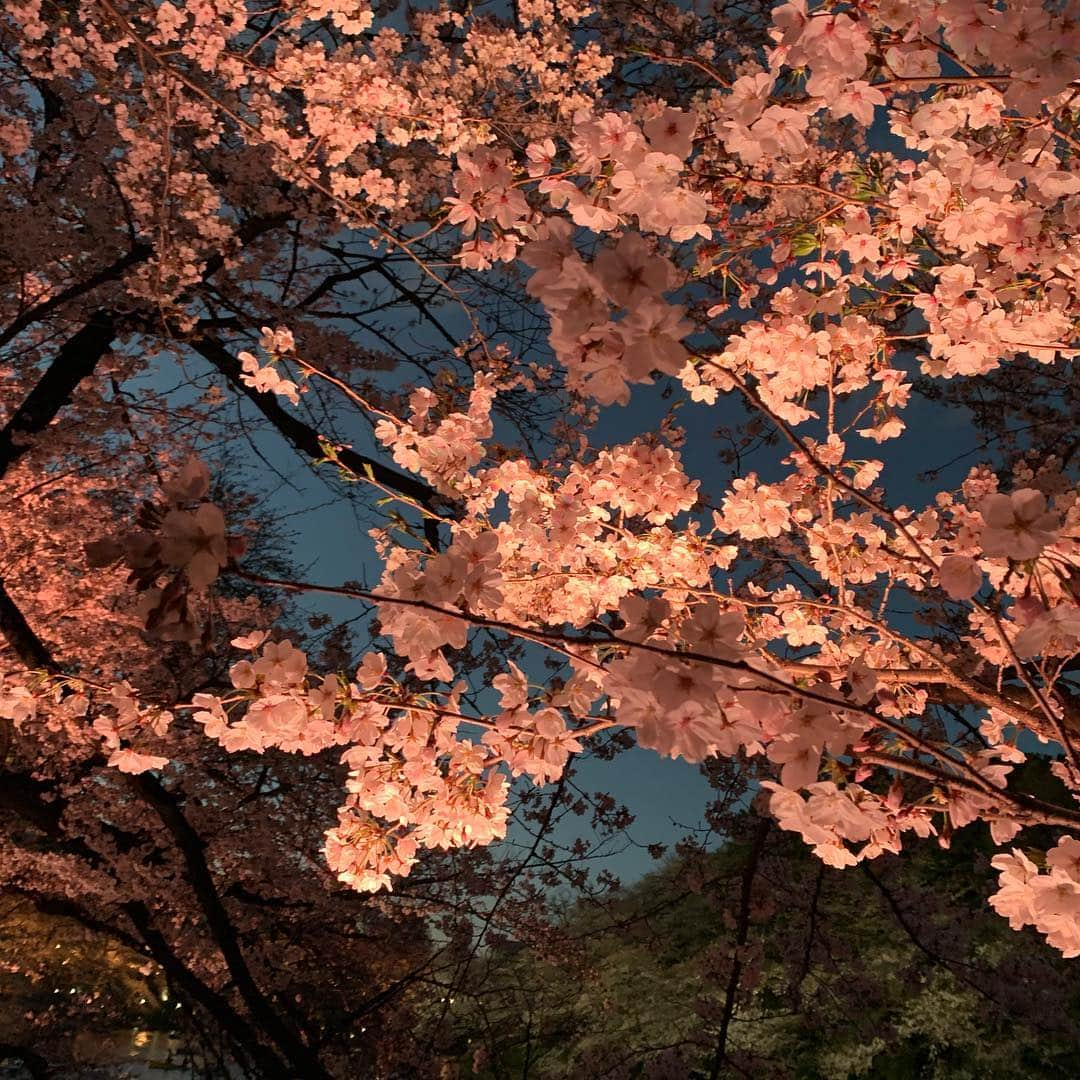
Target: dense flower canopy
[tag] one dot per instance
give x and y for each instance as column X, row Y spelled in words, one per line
column 811, row 217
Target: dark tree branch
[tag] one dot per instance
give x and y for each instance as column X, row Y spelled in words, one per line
column 80, row 354
column 178, row 973
column 192, row 848
column 139, row 253
column 305, row 439
column 950, row 965
column 25, row 797
column 21, row 794
column 30, row 649
column 67, row 909
column 76, row 360
column 742, row 933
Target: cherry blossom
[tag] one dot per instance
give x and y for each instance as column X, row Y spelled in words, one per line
column 743, row 243
column 961, row 577
column 1018, row 525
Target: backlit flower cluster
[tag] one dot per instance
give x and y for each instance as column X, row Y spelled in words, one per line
column 880, row 192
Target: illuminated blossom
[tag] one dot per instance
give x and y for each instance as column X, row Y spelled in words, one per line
column 961, row 577
column 1018, row 525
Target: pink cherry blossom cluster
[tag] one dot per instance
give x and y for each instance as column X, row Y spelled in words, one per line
column 442, row 450
column 120, row 719
column 413, row 780
column 830, row 818
column 692, row 678
column 1048, row 899
column 266, row 378
column 602, row 356
column 190, row 547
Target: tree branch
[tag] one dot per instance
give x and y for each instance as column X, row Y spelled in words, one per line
column 192, row 848
column 139, row 253
column 305, row 439
column 76, row 360
column 742, row 934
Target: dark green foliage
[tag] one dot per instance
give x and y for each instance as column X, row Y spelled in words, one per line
column 893, row 970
